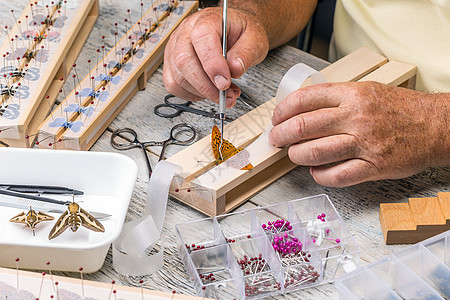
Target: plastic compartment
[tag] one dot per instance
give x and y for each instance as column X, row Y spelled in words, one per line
column 363, row 284
column 339, row 252
column 428, row 267
column 107, row 180
column 266, row 250
column 259, row 267
column 418, row 272
column 439, row 246
column 402, row 280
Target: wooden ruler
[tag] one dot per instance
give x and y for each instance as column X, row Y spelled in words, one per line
column 88, row 110
column 38, row 55
column 223, row 196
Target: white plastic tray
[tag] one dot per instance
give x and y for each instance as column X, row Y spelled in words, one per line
column 107, row 180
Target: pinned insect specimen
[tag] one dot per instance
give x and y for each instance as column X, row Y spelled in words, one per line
column 73, row 217
column 227, row 150
column 31, row 218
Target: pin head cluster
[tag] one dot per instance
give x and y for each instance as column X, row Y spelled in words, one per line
column 277, row 226
column 286, row 244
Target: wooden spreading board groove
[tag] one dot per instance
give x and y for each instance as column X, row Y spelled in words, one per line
column 117, row 94
column 415, row 221
column 58, row 67
column 361, row 65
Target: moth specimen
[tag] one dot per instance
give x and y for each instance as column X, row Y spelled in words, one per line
column 73, row 217
column 31, row 218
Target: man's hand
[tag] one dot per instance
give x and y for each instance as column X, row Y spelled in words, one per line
column 354, row 132
column 194, row 67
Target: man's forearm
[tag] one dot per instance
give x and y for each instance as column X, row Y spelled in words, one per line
column 282, row 19
column 440, row 122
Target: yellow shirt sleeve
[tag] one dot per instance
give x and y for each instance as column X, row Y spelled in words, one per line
column 416, row 32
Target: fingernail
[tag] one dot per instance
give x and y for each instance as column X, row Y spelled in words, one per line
column 241, row 62
column 220, row 82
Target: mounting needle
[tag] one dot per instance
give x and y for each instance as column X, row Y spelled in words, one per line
column 223, row 93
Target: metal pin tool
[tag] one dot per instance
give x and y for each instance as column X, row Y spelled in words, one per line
column 223, row 93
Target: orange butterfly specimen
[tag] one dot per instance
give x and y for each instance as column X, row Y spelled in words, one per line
column 228, row 150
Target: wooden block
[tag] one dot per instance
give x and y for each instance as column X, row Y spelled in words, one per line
column 198, row 160
column 426, row 211
column 396, row 221
column 444, row 201
column 415, row 221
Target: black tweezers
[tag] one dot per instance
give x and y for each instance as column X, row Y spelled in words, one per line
column 17, row 190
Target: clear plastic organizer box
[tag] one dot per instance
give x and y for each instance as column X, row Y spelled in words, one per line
column 420, row 271
column 267, row 250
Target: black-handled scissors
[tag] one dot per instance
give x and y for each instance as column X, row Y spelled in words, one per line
column 171, row 109
column 180, row 134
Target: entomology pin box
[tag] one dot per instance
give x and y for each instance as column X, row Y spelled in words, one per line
column 223, row 195
column 274, row 249
column 420, row 271
column 87, row 111
column 39, row 53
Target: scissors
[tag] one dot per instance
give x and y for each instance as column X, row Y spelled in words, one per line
column 171, row 109
column 174, row 139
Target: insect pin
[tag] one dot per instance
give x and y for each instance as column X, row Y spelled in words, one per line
column 31, row 218
column 73, row 217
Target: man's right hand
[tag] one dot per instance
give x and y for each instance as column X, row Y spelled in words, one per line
column 194, row 67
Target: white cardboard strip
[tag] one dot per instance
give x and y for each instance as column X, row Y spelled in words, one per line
column 140, row 236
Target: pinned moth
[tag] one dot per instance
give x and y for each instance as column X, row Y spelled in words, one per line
column 73, row 217
column 31, row 218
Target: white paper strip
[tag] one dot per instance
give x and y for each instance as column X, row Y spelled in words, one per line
column 140, row 236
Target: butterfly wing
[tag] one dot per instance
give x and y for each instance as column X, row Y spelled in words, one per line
column 116, row 79
column 60, row 226
column 75, row 126
column 88, row 221
column 101, row 77
column 103, row 96
column 247, row 167
column 58, row 122
column 71, row 108
column 20, row 218
column 227, row 150
column 215, row 143
column 86, row 92
column 43, row 217
column 88, row 111
column 245, row 158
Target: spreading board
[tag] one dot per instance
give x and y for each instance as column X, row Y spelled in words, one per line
column 46, row 70
column 87, row 111
column 35, row 282
column 198, row 160
column 415, row 221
